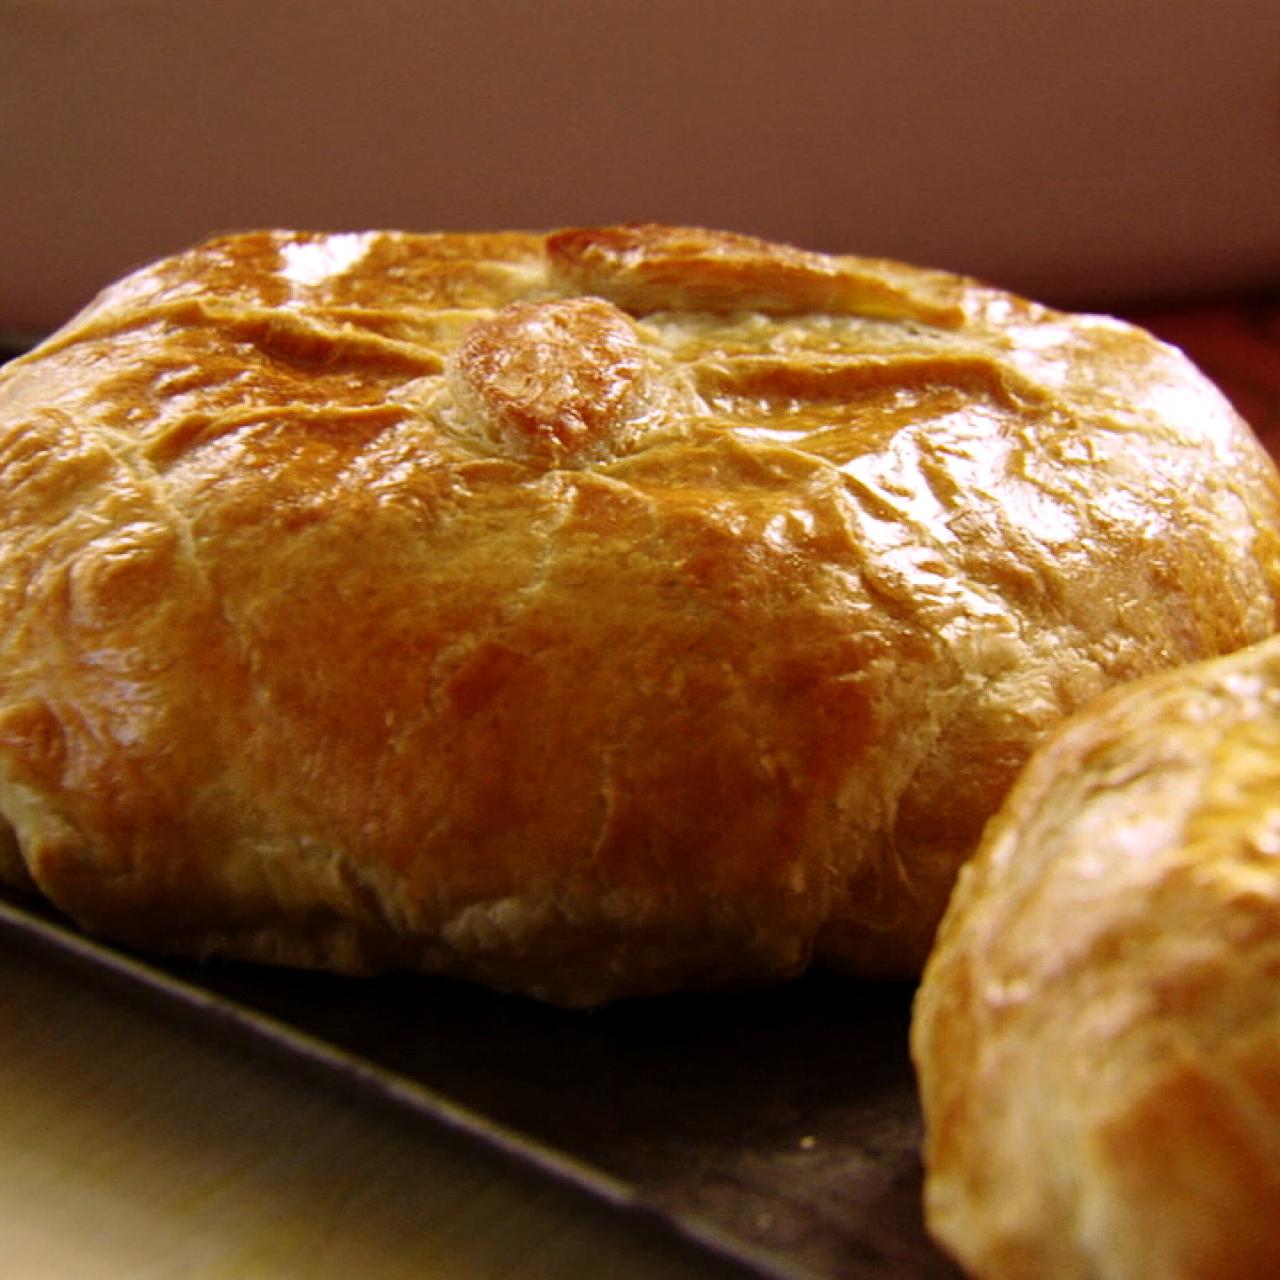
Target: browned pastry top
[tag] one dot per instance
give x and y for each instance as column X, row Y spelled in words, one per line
column 589, row 613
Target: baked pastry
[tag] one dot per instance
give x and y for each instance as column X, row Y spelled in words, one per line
column 1098, row 1032
column 588, row 614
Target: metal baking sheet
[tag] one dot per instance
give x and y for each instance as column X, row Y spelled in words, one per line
column 776, row 1128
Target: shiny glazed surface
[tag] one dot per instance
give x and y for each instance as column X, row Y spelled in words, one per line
column 1098, row 1032
column 590, row 614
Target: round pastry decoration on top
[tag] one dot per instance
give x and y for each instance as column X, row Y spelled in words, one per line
column 557, row 382
column 589, row 614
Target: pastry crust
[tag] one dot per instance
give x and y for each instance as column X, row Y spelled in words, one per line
column 587, row 614
column 1097, row 1034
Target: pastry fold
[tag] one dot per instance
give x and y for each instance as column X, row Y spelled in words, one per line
column 588, row 614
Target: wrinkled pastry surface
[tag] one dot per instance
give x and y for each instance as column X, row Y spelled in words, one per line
column 1098, row 1031
column 588, row 614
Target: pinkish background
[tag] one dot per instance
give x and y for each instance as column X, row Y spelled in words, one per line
column 1087, row 151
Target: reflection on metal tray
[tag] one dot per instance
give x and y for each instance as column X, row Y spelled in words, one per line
column 779, row 1128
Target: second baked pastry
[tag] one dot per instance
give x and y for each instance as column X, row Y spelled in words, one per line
column 1098, row 1032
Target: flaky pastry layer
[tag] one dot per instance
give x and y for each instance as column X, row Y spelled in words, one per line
column 588, row 614
column 1097, row 1035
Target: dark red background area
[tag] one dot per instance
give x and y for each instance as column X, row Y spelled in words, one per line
column 1237, row 343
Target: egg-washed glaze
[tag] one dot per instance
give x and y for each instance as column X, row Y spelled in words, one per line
column 1097, row 1035
column 589, row 614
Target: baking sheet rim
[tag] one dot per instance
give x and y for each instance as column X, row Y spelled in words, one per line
column 210, row 1010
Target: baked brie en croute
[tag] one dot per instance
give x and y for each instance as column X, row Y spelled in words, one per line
column 1098, row 1031
column 587, row 614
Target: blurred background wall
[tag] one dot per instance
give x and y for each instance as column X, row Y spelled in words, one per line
column 1086, row 151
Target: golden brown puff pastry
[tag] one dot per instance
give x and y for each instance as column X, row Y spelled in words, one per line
column 587, row 614
column 1098, row 1031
